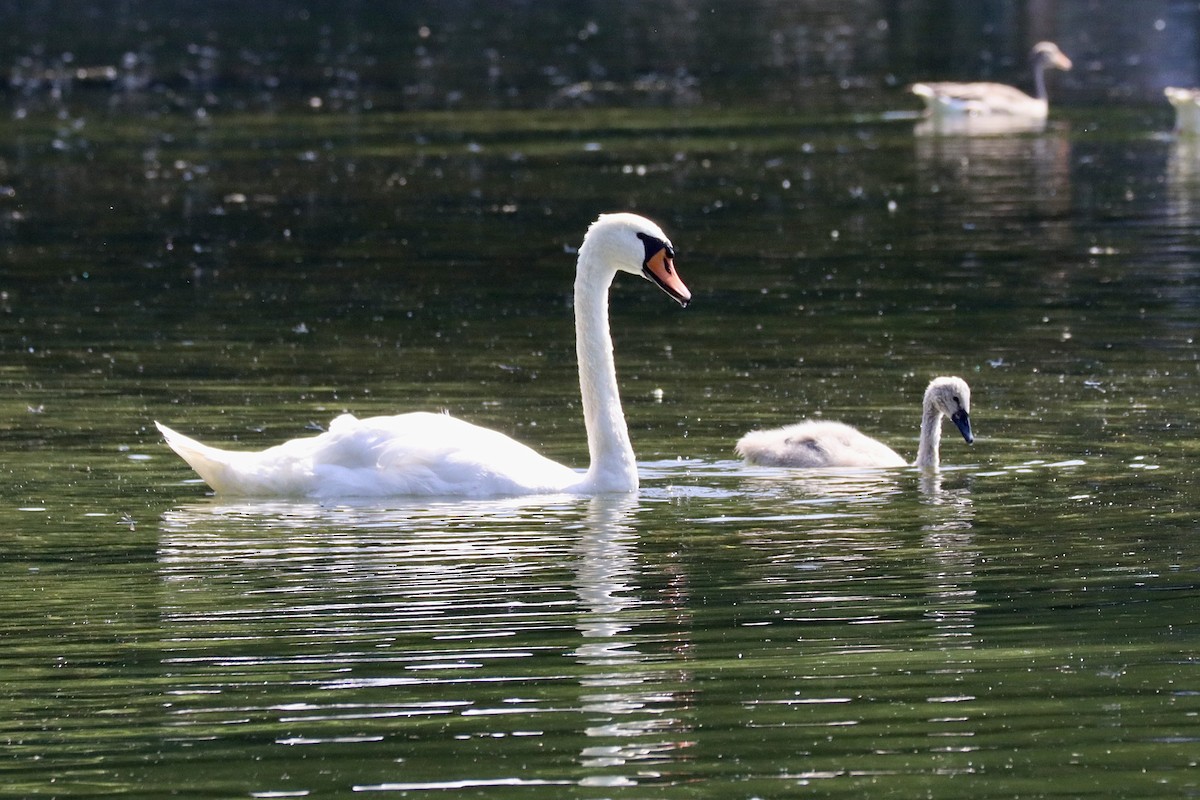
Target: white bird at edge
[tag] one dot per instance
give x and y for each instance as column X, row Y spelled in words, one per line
column 818, row 443
column 949, row 101
column 437, row 455
column 1186, row 103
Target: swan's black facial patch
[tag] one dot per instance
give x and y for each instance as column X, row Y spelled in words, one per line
column 653, row 245
column 659, row 266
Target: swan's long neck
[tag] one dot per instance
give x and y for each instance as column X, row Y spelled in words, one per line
column 931, row 437
column 613, row 467
column 1039, row 79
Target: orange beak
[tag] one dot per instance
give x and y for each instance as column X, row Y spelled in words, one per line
column 660, row 268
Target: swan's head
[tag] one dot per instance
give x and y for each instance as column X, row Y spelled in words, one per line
column 1048, row 55
column 634, row 244
column 952, row 397
column 1182, row 97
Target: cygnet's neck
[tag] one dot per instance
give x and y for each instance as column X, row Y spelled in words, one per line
column 931, row 437
column 613, row 466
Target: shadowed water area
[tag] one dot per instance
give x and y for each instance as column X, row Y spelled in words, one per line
column 257, row 221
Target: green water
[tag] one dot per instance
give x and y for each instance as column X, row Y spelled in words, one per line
column 1021, row 624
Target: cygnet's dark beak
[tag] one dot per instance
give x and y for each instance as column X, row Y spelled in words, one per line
column 962, row 421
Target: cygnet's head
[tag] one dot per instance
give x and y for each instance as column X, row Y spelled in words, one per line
column 1048, row 54
column 952, row 397
column 633, row 244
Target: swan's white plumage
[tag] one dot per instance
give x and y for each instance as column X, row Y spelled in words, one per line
column 408, row 454
column 814, row 443
column 997, row 105
column 1186, row 103
column 948, row 99
column 438, row 455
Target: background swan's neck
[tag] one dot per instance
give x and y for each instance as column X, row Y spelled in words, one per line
column 613, row 467
column 931, row 437
column 1039, row 80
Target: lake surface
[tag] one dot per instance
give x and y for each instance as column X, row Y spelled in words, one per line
column 1021, row 623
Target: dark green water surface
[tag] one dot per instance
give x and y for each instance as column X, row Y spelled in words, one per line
column 1021, row 624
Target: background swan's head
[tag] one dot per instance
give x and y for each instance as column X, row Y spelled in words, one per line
column 632, row 243
column 1179, row 97
column 952, row 397
column 1047, row 54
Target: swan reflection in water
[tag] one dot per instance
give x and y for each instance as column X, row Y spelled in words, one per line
column 1183, row 182
column 633, row 684
column 866, row 571
column 853, row 492
column 952, row 560
column 405, row 619
column 993, row 188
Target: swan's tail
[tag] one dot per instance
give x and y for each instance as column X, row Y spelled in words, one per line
column 934, row 105
column 217, row 467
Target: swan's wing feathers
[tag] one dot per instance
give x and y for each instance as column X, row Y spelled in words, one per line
column 815, row 443
column 791, row 446
column 409, row 454
column 805, row 446
column 275, row 471
column 429, row 454
column 976, row 99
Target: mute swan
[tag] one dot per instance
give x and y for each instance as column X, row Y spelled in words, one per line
column 1187, row 109
column 994, row 102
column 437, row 455
column 831, row 444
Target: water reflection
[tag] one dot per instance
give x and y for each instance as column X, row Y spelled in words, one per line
column 634, row 713
column 1031, row 171
column 842, row 602
column 953, row 506
column 818, row 487
column 385, row 619
column 1183, row 179
column 951, row 557
column 950, row 607
column 993, row 184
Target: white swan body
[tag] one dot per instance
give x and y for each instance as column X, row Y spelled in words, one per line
column 1186, row 103
column 437, row 455
column 815, row 443
column 951, row 103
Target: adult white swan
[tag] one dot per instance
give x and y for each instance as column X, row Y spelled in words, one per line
column 951, row 106
column 831, row 444
column 437, row 455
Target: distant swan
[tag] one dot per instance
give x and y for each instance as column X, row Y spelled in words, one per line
column 831, row 444
column 437, row 455
column 995, row 102
column 1187, row 109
